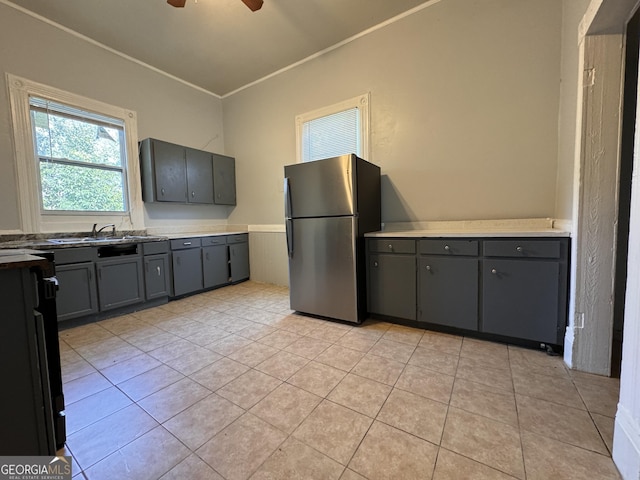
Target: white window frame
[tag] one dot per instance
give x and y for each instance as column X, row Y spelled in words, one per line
column 32, row 217
column 361, row 102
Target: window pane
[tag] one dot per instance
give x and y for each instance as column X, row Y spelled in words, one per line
column 72, row 188
column 332, row 135
column 60, row 136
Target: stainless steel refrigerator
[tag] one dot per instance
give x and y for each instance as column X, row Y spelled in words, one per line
column 329, row 205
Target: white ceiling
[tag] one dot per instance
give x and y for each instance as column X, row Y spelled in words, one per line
column 219, row 45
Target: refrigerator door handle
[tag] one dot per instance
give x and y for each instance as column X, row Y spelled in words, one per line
column 287, row 198
column 289, row 229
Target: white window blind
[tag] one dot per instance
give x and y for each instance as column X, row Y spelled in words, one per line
column 331, row 135
column 334, row 130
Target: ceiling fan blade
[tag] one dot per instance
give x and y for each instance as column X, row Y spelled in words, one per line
column 252, row 4
column 177, row 3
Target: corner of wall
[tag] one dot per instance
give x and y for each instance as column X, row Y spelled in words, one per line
column 626, row 438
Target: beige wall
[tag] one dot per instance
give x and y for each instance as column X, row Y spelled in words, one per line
column 166, row 109
column 572, row 13
column 464, row 113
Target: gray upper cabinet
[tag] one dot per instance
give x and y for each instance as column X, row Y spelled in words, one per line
column 173, row 173
column 224, row 180
column 199, row 176
column 168, row 169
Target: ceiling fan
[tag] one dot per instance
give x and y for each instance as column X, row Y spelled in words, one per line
column 253, row 5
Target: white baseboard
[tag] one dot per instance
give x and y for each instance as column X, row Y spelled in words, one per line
column 626, row 444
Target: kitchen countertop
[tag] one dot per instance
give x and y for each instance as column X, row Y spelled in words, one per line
column 498, row 228
column 20, row 258
column 87, row 241
column 485, row 232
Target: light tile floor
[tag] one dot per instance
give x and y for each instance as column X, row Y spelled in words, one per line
column 229, row 384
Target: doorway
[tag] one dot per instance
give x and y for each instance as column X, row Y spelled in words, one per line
column 629, row 109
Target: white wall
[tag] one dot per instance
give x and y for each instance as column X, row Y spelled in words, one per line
column 166, row 109
column 464, row 113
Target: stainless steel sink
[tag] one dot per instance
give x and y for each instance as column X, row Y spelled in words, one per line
column 70, row 240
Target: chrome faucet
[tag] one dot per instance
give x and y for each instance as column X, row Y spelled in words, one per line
column 94, row 232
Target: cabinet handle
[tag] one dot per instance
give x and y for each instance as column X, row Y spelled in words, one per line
column 428, row 267
column 158, row 269
column 390, row 246
column 447, row 248
column 162, row 191
column 375, row 264
column 186, row 244
column 193, row 194
column 206, row 255
column 519, row 248
column 494, row 271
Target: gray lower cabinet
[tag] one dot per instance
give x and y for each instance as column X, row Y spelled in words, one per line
column 187, row 266
column 514, row 287
column 392, row 285
column 215, row 266
column 448, row 291
column 120, row 282
column 239, row 261
column 77, row 287
column 156, row 276
column 524, row 288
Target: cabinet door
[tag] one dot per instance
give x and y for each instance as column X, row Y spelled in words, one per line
column 521, row 299
column 239, row 261
column 199, row 176
column 170, row 172
column 156, row 277
column 392, row 285
column 215, row 266
column 187, row 271
column 224, row 180
column 120, row 282
column 77, row 294
column 449, row 291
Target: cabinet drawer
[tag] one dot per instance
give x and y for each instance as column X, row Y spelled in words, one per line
column 239, row 238
column 217, row 240
column 151, row 248
column 392, row 245
column 182, row 243
column 523, row 248
column 75, row 255
column 449, row 247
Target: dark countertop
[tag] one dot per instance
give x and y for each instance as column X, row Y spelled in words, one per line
column 20, row 258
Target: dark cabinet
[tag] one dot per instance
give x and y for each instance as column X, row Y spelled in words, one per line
column 156, row 276
column 392, row 278
column 157, row 270
column 525, row 296
column 199, row 176
column 120, row 282
column 449, row 291
column 77, row 293
column 187, row 266
column 26, row 414
column 448, row 282
column 239, row 258
column 173, row 173
column 512, row 287
column 224, row 180
column 215, row 265
column 167, row 167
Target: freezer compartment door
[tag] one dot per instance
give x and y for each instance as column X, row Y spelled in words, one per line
column 323, row 188
column 322, row 267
